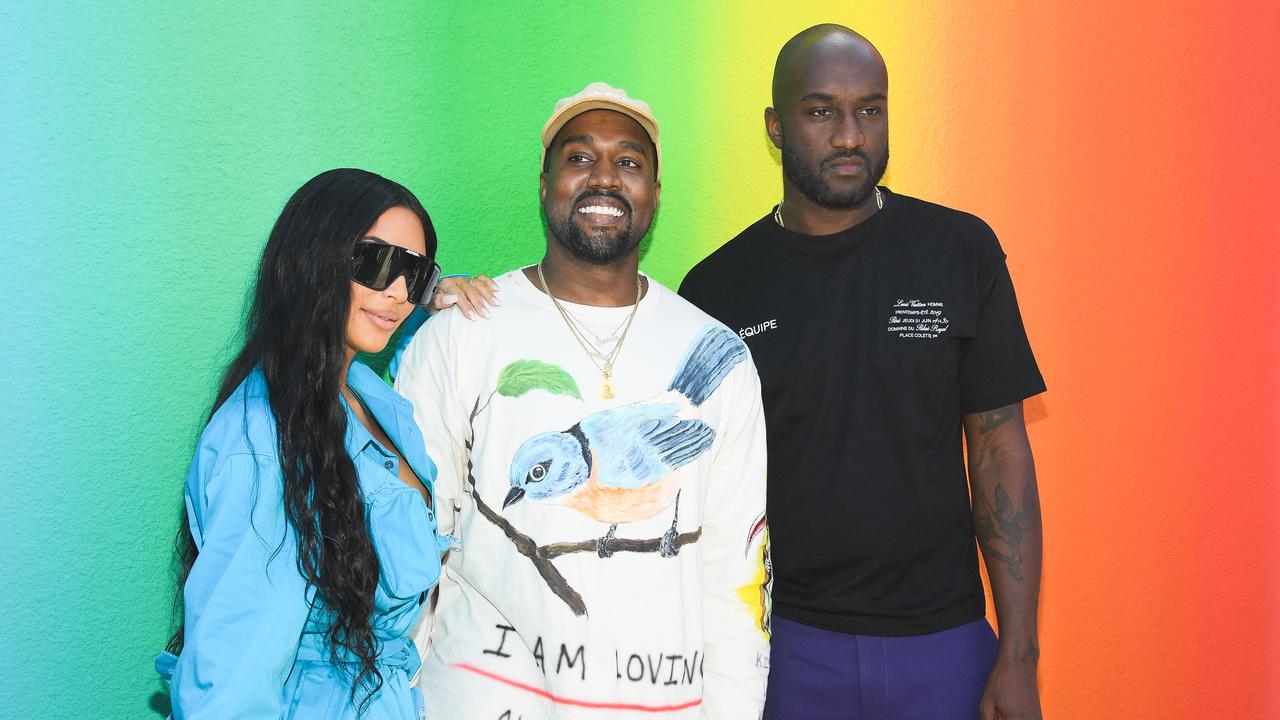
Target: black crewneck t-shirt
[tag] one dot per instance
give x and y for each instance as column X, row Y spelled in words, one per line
column 871, row 345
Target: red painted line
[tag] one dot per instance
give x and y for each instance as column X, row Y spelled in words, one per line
column 577, row 703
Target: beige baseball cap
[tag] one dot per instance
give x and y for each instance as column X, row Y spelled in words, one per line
column 601, row 96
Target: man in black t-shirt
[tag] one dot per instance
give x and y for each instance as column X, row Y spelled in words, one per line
column 898, row 335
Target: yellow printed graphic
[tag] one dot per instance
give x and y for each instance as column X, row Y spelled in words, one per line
column 756, row 594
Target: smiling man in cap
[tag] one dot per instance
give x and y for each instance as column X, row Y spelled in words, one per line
column 600, row 444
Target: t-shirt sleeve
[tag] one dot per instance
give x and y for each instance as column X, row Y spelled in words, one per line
column 691, row 286
column 997, row 367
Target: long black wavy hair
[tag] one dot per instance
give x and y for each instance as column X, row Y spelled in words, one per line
column 295, row 331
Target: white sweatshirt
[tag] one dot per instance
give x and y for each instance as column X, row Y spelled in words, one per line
column 543, row 610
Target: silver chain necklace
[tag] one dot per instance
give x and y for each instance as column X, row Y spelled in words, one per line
column 600, row 340
column 777, row 211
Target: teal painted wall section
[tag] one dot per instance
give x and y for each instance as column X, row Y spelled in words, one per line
column 147, row 152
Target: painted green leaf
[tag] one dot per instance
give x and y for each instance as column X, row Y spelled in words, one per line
column 522, row 376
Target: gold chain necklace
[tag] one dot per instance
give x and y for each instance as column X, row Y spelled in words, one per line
column 777, row 211
column 606, row 387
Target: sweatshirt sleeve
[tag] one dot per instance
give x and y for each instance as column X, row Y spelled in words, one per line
column 735, row 546
column 429, row 378
column 245, row 602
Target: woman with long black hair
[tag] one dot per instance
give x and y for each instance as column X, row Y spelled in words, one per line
column 309, row 498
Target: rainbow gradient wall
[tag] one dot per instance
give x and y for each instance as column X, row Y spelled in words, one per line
column 1128, row 155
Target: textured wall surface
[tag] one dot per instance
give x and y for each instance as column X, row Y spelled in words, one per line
column 1128, row 158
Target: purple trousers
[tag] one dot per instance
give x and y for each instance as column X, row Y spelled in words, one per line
column 818, row 674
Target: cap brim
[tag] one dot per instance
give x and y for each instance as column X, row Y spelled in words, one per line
column 573, row 110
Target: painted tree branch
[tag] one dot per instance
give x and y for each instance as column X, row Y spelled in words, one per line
column 615, row 544
column 526, row 546
column 541, row 556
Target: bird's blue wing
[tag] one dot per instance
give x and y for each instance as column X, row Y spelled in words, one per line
column 640, row 444
column 675, row 443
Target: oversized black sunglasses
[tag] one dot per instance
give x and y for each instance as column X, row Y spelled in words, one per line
column 376, row 265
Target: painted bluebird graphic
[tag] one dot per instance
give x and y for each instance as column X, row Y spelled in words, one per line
column 622, row 465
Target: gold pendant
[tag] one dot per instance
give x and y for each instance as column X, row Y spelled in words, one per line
column 606, row 387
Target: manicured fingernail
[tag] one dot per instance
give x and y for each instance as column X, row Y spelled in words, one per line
column 483, row 313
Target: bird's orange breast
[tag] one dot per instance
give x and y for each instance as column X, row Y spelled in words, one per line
column 623, row 505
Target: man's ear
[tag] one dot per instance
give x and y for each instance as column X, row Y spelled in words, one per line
column 542, row 187
column 773, row 126
column 657, row 191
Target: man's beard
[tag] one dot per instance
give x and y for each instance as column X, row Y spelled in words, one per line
column 606, row 246
column 810, row 181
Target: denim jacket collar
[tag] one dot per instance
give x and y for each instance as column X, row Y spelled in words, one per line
column 393, row 413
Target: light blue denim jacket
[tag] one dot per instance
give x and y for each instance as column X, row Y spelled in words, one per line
column 254, row 644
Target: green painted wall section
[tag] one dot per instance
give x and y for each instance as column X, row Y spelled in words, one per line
column 146, row 153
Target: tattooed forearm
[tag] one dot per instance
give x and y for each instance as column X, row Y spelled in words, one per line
column 993, row 419
column 1000, row 527
column 987, row 422
column 1031, row 653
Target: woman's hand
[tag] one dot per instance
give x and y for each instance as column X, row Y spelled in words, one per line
column 471, row 295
